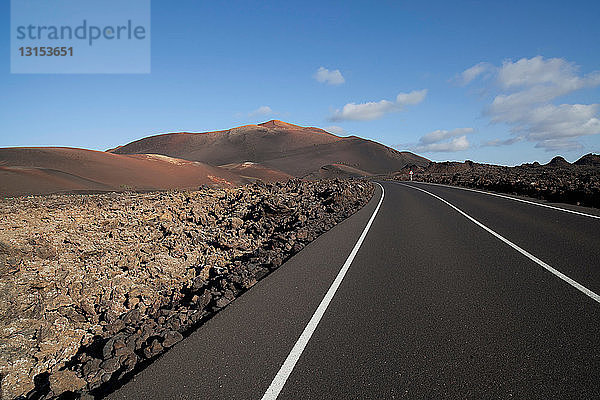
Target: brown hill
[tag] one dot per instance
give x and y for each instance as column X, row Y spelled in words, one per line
column 558, row 161
column 256, row 171
column 590, row 160
column 338, row 171
column 41, row 170
column 292, row 149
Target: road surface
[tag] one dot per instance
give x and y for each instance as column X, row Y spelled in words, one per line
column 448, row 293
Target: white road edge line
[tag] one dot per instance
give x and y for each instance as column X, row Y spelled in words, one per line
column 515, row 199
column 291, row 360
column 533, row 258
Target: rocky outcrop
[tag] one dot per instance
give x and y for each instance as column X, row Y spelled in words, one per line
column 559, row 181
column 589, row 160
column 558, row 161
column 93, row 287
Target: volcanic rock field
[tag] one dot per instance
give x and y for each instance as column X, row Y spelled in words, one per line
column 95, row 286
column 559, row 181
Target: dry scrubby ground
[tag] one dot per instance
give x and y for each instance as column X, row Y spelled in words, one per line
column 93, row 285
column 575, row 184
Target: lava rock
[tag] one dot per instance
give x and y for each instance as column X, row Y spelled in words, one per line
column 97, row 281
column 170, row 338
column 65, row 381
column 154, row 349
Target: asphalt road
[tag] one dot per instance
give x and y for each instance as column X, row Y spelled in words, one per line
column 432, row 306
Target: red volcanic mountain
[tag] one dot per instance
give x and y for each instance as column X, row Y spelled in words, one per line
column 272, row 151
column 293, row 149
column 41, row 170
column 253, row 171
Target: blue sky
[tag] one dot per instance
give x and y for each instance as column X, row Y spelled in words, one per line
column 502, row 82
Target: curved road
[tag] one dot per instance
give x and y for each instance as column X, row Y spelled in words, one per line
column 449, row 293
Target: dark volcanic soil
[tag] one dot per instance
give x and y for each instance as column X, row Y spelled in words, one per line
column 558, row 181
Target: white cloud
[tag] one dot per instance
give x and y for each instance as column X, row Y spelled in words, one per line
column 559, row 144
column 443, row 140
column 412, row 98
column 333, row 77
column 501, row 142
column 538, row 70
column 563, row 121
column 505, row 105
column 261, row 111
column 527, row 89
column 374, row 110
column 338, row 130
column 441, row 134
column 456, row 144
column 364, row 111
column 472, row 73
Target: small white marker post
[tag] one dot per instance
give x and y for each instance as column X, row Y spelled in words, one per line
column 411, row 174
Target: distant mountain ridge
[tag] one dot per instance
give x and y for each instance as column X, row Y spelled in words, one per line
column 293, row 149
column 271, row 151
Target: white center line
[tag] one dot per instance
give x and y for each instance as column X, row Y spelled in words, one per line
column 291, row 360
column 556, row 272
column 516, row 199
